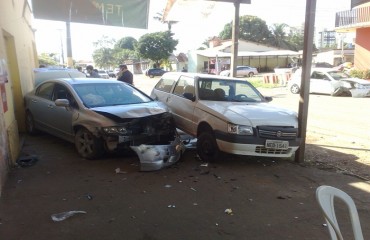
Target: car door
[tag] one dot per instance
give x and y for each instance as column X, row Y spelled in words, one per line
column 39, row 105
column 61, row 117
column 162, row 89
column 240, row 71
column 321, row 83
column 181, row 107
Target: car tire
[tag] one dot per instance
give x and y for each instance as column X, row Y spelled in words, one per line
column 294, row 89
column 250, row 74
column 207, row 148
column 87, row 145
column 151, row 76
column 30, row 124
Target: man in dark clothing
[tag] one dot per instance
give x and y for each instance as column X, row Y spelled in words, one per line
column 125, row 75
column 91, row 72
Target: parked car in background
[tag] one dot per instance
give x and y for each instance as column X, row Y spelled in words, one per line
column 322, row 65
column 42, row 74
column 227, row 115
column 103, row 74
column 102, row 115
column 241, row 71
column 152, row 72
column 111, row 74
column 116, row 71
column 331, row 81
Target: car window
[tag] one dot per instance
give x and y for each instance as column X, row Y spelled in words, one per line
column 181, row 84
column 338, row 75
column 61, row 92
column 228, row 90
column 45, row 91
column 165, row 84
column 111, row 94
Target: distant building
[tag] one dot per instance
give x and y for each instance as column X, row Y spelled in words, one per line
column 327, row 39
column 218, row 57
column 357, row 21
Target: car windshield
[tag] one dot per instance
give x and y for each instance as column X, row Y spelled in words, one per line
column 338, row 75
column 228, row 90
column 109, row 94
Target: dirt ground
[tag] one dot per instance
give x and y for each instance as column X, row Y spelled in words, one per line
column 355, row 161
column 236, row 198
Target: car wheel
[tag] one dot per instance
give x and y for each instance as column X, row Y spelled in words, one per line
column 87, row 145
column 151, row 76
column 250, row 74
column 207, row 148
column 294, row 89
column 30, row 124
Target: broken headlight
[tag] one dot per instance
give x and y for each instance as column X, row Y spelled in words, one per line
column 239, row 129
column 115, row 130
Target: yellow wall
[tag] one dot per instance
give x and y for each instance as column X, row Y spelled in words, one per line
column 17, row 49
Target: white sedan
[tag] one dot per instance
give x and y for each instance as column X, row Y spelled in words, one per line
column 241, row 71
column 331, row 81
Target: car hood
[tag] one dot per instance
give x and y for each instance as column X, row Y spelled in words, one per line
column 132, row 110
column 357, row 80
column 251, row 113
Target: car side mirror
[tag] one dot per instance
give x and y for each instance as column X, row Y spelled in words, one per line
column 189, row 96
column 268, row 99
column 62, row 103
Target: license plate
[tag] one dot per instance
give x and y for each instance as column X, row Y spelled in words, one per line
column 276, row 144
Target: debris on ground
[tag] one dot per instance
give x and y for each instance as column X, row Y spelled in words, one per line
column 118, row 171
column 27, row 161
column 58, row 217
column 229, row 211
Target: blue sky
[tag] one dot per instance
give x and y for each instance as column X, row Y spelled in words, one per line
column 193, row 28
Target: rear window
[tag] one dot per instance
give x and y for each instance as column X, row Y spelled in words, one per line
column 165, row 84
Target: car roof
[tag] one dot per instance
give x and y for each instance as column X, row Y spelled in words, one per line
column 321, row 69
column 43, row 74
column 200, row 75
column 76, row 81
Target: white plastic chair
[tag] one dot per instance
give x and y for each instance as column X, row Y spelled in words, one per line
column 325, row 196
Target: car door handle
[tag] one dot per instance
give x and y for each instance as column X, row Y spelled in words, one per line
column 34, row 101
column 50, row 106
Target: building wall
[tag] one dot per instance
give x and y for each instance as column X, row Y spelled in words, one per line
column 18, row 57
column 362, row 50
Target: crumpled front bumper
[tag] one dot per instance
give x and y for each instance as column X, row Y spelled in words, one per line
column 155, row 157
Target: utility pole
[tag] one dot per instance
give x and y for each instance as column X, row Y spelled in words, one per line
column 61, row 46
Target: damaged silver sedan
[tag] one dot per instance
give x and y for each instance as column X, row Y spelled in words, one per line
column 101, row 115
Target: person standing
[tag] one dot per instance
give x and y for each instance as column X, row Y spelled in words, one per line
column 125, row 75
column 91, row 72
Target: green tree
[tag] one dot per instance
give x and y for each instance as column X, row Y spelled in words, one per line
column 279, row 37
column 295, row 38
column 204, row 45
column 251, row 28
column 104, row 57
column 121, row 55
column 156, row 46
column 47, row 59
column 126, row 43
